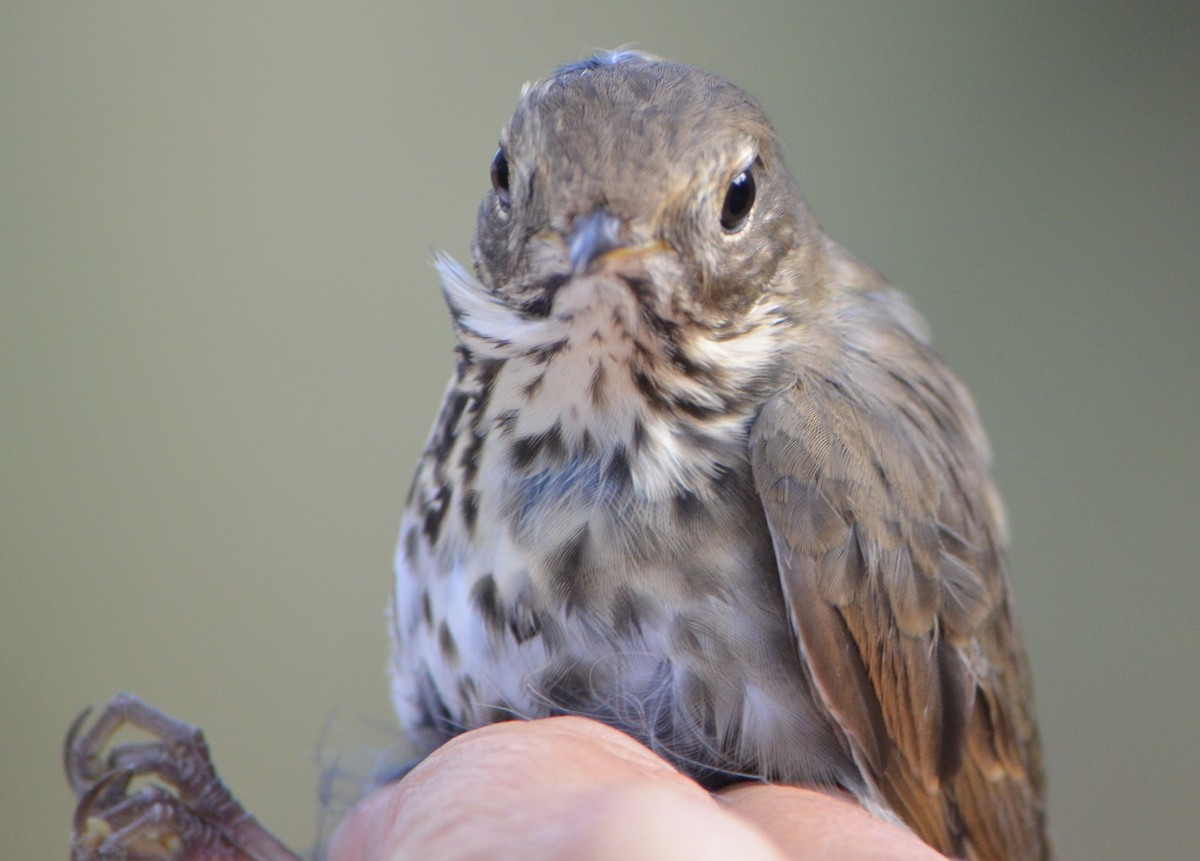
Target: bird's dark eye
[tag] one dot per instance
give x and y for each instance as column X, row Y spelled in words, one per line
column 739, row 200
column 500, row 176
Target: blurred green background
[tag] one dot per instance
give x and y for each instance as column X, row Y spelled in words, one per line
column 222, row 344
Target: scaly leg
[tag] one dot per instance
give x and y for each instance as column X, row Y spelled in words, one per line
column 184, row 813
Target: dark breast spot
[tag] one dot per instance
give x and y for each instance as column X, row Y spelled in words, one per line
column 507, row 420
column 411, row 546
column 469, row 458
column 570, row 569
column 446, row 643
column 616, row 469
column 543, row 353
column 695, row 409
column 531, row 388
column 596, row 388
column 525, row 622
column 452, row 411
column 470, row 510
column 587, row 446
column 629, row 609
column 688, row 507
column 650, row 390
column 486, row 375
column 549, row 443
column 541, row 303
column 426, row 608
column 435, row 513
column 639, row 435
column 486, row 598
column 435, row 712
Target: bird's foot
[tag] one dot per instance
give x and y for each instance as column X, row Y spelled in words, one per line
column 160, row 800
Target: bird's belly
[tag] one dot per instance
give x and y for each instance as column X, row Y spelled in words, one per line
column 685, row 646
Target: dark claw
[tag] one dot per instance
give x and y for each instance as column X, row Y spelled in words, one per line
column 71, row 765
column 181, row 812
column 87, row 833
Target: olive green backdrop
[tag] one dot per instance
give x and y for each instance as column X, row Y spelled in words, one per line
column 222, row 343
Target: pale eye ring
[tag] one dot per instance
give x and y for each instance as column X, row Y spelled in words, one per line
column 739, row 201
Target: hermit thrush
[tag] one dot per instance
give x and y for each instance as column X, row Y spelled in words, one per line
column 699, row 475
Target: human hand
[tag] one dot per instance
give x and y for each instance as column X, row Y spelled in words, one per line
column 570, row 788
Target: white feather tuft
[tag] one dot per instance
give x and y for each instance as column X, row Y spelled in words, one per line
column 485, row 322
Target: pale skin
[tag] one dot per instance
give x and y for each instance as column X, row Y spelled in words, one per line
column 570, row 788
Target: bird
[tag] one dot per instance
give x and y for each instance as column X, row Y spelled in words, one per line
column 699, row 475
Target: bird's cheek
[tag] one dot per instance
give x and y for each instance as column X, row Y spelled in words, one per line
column 735, row 283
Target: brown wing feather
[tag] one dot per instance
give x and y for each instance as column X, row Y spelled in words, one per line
column 889, row 536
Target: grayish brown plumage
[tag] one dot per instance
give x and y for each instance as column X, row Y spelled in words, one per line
column 699, row 475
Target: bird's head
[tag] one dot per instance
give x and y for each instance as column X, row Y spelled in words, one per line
column 644, row 168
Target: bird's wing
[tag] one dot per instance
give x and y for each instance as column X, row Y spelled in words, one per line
column 889, row 540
